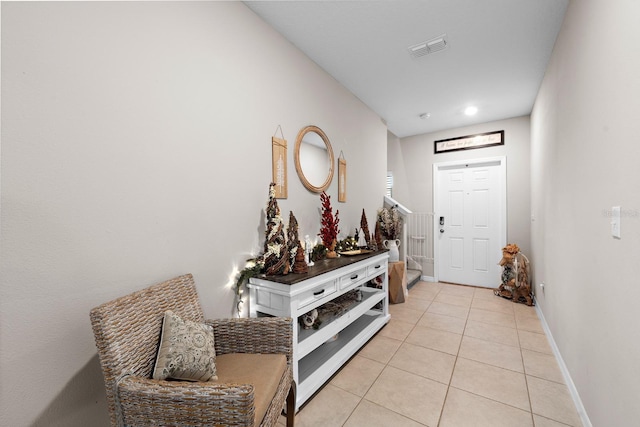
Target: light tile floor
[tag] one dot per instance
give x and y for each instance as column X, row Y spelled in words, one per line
column 450, row 356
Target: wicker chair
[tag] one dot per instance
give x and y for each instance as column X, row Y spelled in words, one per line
column 127, row 331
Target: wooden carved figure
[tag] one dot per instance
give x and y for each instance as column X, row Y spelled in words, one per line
column 515, row 276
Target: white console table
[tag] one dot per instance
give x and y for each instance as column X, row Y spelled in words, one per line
column 316, row 355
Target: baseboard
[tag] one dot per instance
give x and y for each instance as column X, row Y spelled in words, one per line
column 582, row 413
column 427, row 279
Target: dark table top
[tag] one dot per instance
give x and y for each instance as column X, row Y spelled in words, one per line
column 320, row 267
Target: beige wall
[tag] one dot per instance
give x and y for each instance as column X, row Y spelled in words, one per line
column 585, row 154
column 395, row 164
column 418, row 158
column 136, row 146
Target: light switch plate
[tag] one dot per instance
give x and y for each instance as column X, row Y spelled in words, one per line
column 615, row 222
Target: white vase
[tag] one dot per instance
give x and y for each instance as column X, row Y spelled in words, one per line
column 392, row 245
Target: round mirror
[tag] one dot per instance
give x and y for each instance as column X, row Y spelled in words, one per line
column 314, row 159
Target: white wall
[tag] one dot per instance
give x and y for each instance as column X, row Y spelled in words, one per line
column 585, row 151
column 396, row 165
column 418, row 159
column 136, row 146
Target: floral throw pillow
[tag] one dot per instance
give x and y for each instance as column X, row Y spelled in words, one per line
column 186, row 351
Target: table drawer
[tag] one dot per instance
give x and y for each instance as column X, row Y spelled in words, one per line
column 355, row 276
column 317, row 293
column 376, row 269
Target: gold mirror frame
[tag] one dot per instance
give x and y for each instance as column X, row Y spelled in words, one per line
column 296, row 156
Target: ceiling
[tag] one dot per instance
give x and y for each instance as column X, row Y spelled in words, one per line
column 495, row 57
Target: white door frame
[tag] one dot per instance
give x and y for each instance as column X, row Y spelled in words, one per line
column 502, row 164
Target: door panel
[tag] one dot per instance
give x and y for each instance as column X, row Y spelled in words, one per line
column 456, row 207
column 481, row 208
column 471, row 199
column 457, row 254
column 481, row 255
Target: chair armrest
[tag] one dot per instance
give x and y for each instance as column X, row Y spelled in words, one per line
column 148, row 402
column 254, row 335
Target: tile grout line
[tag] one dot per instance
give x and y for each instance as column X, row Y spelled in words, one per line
column 484, row 397
column 404, row 340
column 524, row 369
column 457, row 357
column 386, row 364
column 455, row 362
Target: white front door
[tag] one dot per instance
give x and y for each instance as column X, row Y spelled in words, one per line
column 470, row 221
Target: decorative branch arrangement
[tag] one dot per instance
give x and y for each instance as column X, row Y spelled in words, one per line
column 275, row 259
column 365, row 228
column 296, row 253
column 276, row 255
column 252, row 268
column 292, row 238
column 390, row 222
column 378, row 236
column 329, row 226
column 283, row 252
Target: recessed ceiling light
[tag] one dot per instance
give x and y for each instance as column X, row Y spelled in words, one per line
column 471, row 110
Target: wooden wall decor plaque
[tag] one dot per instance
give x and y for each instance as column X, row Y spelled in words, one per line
column 342, row 180
column 279, row 166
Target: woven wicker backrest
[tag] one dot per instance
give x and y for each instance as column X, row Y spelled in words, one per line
column 127, row 330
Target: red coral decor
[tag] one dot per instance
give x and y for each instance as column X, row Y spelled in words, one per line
column 328, row 226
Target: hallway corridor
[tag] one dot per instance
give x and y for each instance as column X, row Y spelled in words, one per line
column 450, row 356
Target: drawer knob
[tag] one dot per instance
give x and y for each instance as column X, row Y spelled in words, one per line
column 318, row 293
column 354, row 277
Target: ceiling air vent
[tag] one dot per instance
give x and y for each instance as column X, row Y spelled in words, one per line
column 430, row 46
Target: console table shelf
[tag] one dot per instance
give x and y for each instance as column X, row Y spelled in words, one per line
column 317, row 353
